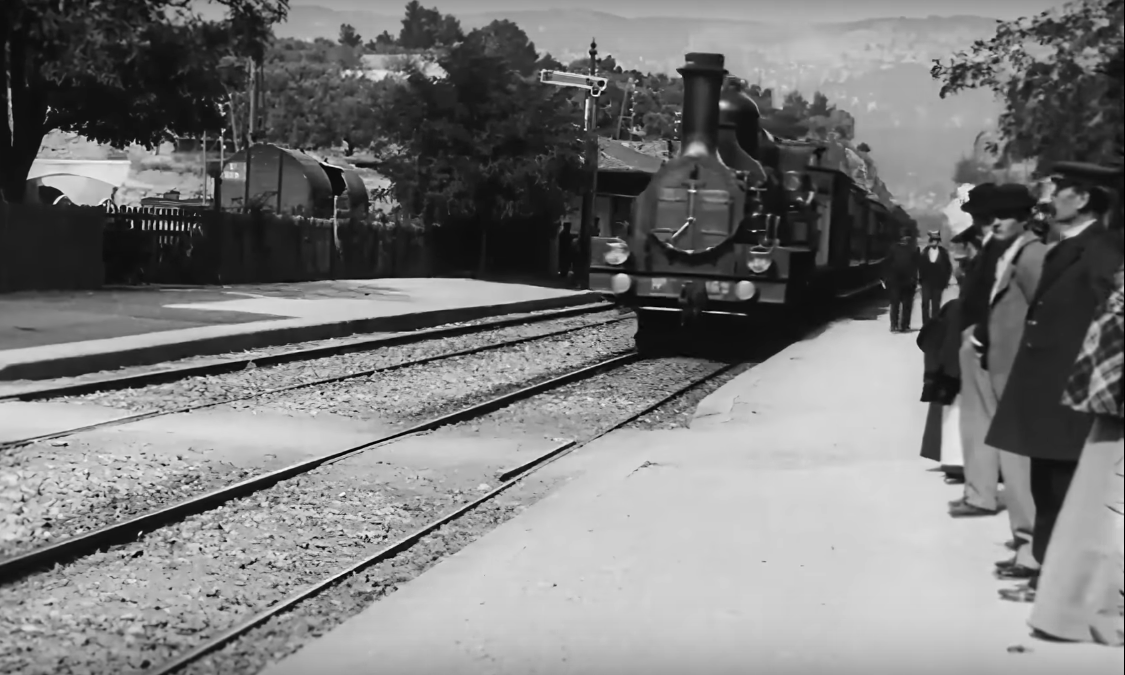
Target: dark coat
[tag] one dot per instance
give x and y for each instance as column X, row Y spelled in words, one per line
column 1030, row 418
column 935, row 274
column 940, row 342
column 976, row 289
column 900, row 267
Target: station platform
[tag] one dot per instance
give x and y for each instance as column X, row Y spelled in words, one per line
column 792, row 529
column 62, row 334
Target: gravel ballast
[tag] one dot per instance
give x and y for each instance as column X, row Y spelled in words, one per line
column 140, row 604
column 56, row 489
column 251, row 380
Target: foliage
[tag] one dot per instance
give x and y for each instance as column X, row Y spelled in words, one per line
column 314, row 100
column 970, row 170
column 349, row 36
column 117, row 71
column 480, row 144
column 1059, row 77
column 424, row 28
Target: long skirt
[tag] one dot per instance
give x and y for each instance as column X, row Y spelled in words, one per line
column 952, row 455
column 1079, row 594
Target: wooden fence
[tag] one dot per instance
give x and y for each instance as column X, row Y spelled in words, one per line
column 48, row 248
column 82, row 247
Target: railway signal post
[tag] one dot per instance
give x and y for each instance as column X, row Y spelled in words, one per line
column 594, row 86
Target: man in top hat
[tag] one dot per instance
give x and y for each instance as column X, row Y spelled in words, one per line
column 996, row 339
column 900, row 278
column 934, row 271
column 1077, row 275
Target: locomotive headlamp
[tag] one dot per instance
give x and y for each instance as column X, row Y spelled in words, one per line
column 792, row 181
column 745, row 290
column 620, row 283
column 616, row 253
column 759, row 261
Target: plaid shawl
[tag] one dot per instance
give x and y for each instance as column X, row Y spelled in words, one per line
column 1095, row 385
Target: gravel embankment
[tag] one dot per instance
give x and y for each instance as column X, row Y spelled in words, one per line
column 432, row 389
column 57, row 489
column 142, row 603
column 13, row 387
column 251, row 380
column 581, row 409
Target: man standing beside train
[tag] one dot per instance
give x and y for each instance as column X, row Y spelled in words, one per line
column 900, row 278
column 1078, row 274
column 934, row 271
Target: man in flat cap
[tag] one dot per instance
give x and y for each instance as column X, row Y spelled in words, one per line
column 934, row 271
column 1077, row 275
column 996, row 340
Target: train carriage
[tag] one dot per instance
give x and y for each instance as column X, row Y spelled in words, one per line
column 741, row 223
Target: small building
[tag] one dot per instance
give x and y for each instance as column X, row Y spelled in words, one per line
column 624, row 171
column 290, row 182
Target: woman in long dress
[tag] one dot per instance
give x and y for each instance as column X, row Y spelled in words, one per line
column 1079, row 595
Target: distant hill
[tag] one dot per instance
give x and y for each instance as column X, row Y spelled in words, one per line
column 876, row 68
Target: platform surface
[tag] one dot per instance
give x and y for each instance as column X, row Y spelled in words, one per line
column 792, row 529
column 46, row 327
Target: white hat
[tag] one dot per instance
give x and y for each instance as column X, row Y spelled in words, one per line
column 958, row 220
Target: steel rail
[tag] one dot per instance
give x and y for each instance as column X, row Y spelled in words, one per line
column 130, row 380
column 510, row 477
column 15, row 567
column 137, row 417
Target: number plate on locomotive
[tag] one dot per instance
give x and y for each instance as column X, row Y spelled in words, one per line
column 661, row 286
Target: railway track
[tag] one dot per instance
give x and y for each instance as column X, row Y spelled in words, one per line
column 114, row 380
column 233, row 365
column 14, row 567
column 510, row 478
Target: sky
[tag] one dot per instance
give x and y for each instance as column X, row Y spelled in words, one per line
column 782, row 11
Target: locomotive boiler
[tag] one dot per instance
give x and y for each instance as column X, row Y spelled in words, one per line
column 739, row 224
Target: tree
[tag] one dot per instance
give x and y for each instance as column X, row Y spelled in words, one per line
column 796, row 105
column 349, row 37
column 820, row 106
column 117, row 72
column 505, row 40
column 478, row 146
column 1059, row 77
column 969, row 170
column 424, row 28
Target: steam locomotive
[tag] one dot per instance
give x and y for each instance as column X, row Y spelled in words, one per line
column 740, row 223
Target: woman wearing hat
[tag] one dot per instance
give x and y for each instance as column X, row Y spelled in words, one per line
column 942, row 342
column 1078, row 275
column 1079, row 594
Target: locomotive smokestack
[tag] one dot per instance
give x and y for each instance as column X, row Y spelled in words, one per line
column 703, row 82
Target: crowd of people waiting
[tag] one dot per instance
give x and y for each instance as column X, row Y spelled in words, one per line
column 1023, row 373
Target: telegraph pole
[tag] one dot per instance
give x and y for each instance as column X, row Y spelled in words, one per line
column 589, row 199
column 594, row 87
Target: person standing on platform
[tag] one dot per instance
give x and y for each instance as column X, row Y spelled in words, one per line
column 566, row 250
column 900, row 278
column 976, row 399
column 1077, row 276
column 934, row 272
column 997, row 339
column 1079, row 594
